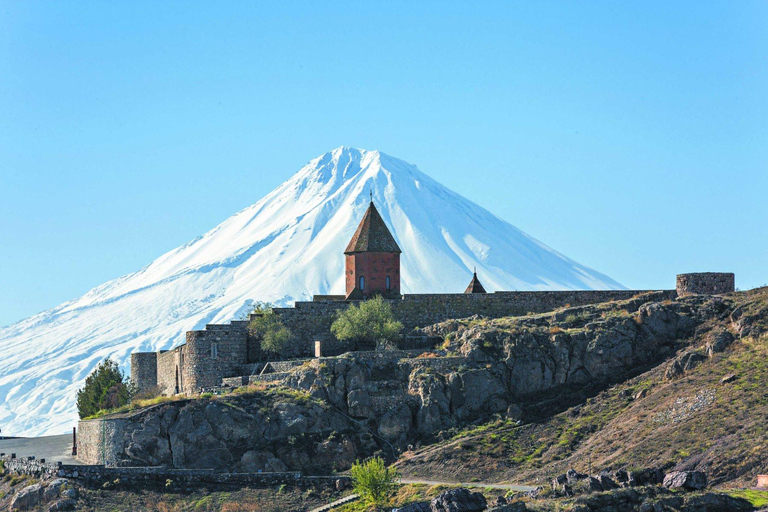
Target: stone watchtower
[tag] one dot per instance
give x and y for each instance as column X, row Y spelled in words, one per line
column 372, row 259
column 705, row 283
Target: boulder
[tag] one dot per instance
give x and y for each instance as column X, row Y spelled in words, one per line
column 558, row 481
column 718, row 341
column 728, row 378
column 711, row 502
column 690, row 480
column 574, row 476
column 65, row 504
column 419, row 506
column 459, row 500
column 27, row 498
column 594, row 484
column 517, row 506
column 53, row 490
column 514, row 412
column 396, row 423
column 606, row 482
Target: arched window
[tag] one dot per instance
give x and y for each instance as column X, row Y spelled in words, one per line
column 362, row 283
column 389, row 283
column 214, row 350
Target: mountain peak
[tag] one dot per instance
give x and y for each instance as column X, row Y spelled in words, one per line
column 286, row 247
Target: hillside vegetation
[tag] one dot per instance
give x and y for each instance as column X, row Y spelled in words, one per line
column 704, row 407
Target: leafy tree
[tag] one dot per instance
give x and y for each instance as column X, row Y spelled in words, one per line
column 370, row 322
column 266, row 325
column 105, row 388
column 373, row 481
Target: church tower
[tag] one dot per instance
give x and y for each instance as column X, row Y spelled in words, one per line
column 372, row 259
column 475, row 286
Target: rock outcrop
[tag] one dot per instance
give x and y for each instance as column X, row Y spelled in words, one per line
column 363, row 402
column 274, row 431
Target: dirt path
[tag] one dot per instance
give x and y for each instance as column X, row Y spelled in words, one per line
column 512, row 487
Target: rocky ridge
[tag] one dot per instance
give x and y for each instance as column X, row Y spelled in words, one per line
column 362, row 403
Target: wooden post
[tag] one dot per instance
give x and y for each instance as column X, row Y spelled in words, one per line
column 318, row 348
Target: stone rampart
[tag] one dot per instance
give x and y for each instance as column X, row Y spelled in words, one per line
column 215, row 353
column 309, row 321
column 222, row 351
column 144, row 370
column 705, row 283
column 97, row 474
column 100, row 441
column 170, row 378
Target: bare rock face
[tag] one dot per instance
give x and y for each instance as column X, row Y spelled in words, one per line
column 459, row 500
column 689, row 480
column 395, row 400
column 246, row 435
column 27, row 498
column 718, row 341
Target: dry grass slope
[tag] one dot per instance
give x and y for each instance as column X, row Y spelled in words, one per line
column 692, row 422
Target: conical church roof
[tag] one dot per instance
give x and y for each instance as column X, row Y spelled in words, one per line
column 372, row 235
column 475, row 286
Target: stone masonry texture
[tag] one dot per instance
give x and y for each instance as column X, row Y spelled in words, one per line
column 705, row 283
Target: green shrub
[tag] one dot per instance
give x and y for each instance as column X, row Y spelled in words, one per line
column 373, row 481
column 105, row 388
column 370, row 322
column 266, row 325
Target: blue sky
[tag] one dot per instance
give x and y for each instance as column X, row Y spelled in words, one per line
column 631, row 137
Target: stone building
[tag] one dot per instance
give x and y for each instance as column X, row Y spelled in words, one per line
column 372, row 267
column 372, row 259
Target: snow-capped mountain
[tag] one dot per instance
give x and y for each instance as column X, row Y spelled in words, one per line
column 286, row 247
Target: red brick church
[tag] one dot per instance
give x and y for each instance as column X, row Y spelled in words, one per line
column 373, row 261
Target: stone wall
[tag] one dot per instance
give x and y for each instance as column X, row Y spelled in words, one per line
column 100, row 440
column 144, row 370
column 169, row 374
column 217, row 352
column 98, row 474
column 705, row 283
column 311, row 321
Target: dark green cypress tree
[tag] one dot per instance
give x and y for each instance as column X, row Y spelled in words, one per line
column 105, row 388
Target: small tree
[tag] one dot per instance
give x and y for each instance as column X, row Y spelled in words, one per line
column 373, row 481
column 266, row 325
column 105, row 388
column 370, row 322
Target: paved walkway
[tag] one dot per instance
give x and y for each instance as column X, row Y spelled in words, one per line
column 50, row 448
column 337, row 503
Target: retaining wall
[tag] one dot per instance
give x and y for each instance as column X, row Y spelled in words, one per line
column 98, row 474
column 100, row 441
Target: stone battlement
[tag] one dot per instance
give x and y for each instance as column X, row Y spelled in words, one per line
column 228, row 351
column 705, row 283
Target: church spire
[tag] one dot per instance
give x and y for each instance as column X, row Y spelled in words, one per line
column 372, row 235
column 475, row 286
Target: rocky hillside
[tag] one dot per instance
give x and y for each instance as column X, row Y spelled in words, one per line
column 635, row 383
column 257, row 429
column 703, row 407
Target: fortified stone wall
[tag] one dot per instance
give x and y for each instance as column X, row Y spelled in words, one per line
column 99, row 441
column 705, row 283
column 199, row 366
column 144, row 370
column 169, row 374
column 309, row 321
column 217, row 352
